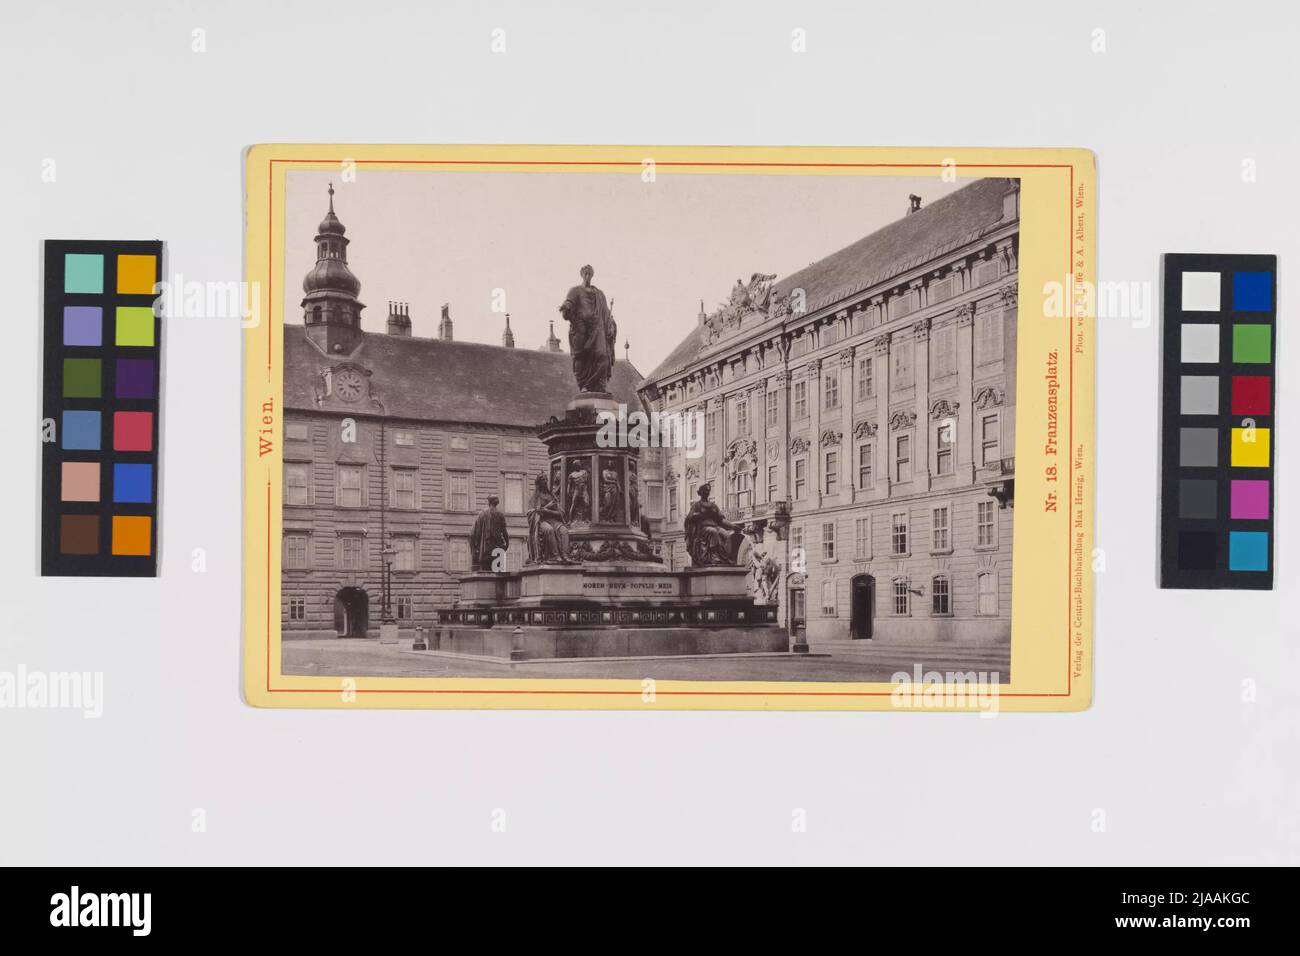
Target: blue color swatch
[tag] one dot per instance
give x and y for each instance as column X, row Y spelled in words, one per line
column 133, row 483
column 1252, row 291
column 1248, row 551
column 81, row 430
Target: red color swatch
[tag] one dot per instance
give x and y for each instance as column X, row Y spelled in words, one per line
column 133, row 431
column 1250, row 395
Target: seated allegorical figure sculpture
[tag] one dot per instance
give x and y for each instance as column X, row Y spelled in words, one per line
column 710, row 538
column 548, row 535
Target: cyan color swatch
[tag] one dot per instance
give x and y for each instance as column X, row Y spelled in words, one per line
column 1248, row 551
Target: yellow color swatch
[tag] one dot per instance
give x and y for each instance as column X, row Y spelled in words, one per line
column 1250, row 448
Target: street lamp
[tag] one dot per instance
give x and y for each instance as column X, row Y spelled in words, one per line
column 386, row 612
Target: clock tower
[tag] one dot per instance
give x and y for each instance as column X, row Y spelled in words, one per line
column 330, row 309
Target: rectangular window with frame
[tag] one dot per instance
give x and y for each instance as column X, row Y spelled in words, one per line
column 943, row 349
column 941, row 289
column 711, row 426
column 296, row 431
column 862, row 538
column 457, row 554
column 773, row 410
column 985, row 272
column 512, row 494
column 351, row 486
column 829, row 608
column 512, row 446
column 404, row 558
column 988, row 337
column 902, row 377
column 771, row 482
column 404, row 489
column 742, row 417
column 828, row 540
column 941, row 532
column 654, row 499
column 990, row 440
column 986, row 594
column 297, row 483
column 832, row 472
column 800, row 478
column 458, row 443
column 404, row 607
column 901, row 305
column 943, row 456
column 985, row 529
column 297, row 609
column 671, row 492
column 295, row 551
column 800, row 397
column 831, row 389
column 902, row 599
column 941, row 600
column 796, row 539
column 898, row 533
column 404, row 438
column 351, row 552
column 866, row 464
column 902, row 458
column 866, row 378
column 457, row 491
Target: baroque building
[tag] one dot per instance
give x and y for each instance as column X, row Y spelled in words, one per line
column 859, row 416
column 393, row 443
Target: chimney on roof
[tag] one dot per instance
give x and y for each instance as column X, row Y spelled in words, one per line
column 699, row 319
column 552, row 343
column 444, row 327
column 508, row 337
column 399, row 318
column 913, row 203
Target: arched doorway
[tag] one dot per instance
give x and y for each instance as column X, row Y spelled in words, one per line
column 864, row 607
column 351, row 612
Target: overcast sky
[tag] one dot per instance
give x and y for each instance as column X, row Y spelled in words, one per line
column 658, row 248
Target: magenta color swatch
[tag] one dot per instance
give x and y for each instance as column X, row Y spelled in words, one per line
column 1250, row 499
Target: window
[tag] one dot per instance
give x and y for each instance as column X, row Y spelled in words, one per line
column 831, row 334
column 990, row 453
column 902, row 599
column 404, row 608
column 800, row 399
column 404, row 439
column 297, row 609
column 986, row 592
column 831, row 390
column 296, row 431
column 985, row 531
column 744, row 493
column 832, row 472
column 943, row 349
column 512, row 494
column 986, row 272
column 404, row 488
column 828, row 599
column 942, row 541
column 988, row 337
column 296, row 487
column 940, row 602
column 800, row 345
column 866, row 378
column 903, row 458
column 295, row 551
column 866, row 456
column 941, row 289
column 404, row 558
column 943, row 449
column 771, row 482
column 512, row 446
column 350, row 484
column 902, row 353
column 457, row 491
column 800, row 478
column 796, row 541
column 350, row 552
column 672, row 501
column 773, row 409
column 898, row 535
column 653, row 500
column 828, row 541
column 862, row 538
column 711, row 426
column 458, row 554
column 458, row 443
column 901, row 305
column 742, row 417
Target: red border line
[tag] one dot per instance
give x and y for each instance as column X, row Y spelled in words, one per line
column 675, row 693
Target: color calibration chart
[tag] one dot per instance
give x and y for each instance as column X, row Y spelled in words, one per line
column 101, row 403
column 1217, row 483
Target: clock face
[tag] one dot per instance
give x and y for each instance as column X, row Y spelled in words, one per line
column 348, row 384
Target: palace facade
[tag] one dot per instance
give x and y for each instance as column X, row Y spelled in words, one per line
column 860, row 415
column 393, row 443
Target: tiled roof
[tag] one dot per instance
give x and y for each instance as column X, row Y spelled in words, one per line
column 954, row 220
column 433, row 380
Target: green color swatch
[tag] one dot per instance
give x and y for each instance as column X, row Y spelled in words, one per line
column 81, row 378
column 1251, row 344
column 83, row 273
column 134, row 325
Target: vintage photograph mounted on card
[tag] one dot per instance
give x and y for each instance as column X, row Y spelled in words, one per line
column 682, row 427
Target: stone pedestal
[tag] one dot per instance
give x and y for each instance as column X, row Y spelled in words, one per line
column 614, row 598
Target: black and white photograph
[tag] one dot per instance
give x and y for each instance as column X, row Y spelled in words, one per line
column 577, row 425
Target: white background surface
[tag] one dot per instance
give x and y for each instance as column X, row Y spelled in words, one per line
column 147, row 137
